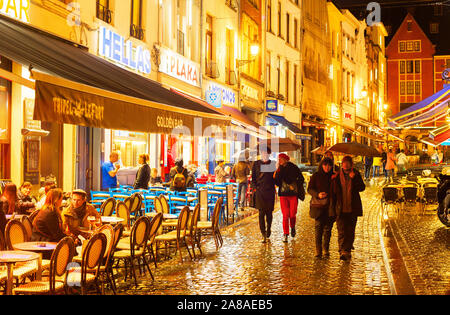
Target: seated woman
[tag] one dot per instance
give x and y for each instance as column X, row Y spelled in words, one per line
column 48, row 225
column 10, row 203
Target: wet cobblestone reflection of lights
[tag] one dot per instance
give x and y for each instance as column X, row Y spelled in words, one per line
column 246, row 266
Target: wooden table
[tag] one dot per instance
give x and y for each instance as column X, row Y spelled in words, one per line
column 37, row 247
column 166, row 216
column 10, row 258
column 112, row 220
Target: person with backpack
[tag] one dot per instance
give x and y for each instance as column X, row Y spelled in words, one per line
column 178, row 176
column 289, row 180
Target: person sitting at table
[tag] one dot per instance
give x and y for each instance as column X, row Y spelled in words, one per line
column 24, row 197
column 49, row 185
column 48, row 226
column 154, row 178
column 143, row 174
column 75, row 217
column 10, row 203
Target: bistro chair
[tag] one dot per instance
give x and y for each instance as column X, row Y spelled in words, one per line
column 118, row 230
column 158, row 205
column 61, row 257
column 86, row 276
column 390, row 198
column 178, row 236
column 135, row 206
column 122, row 212
column 98, row 197
column 155, row 225
column 213, row 225
column 33, row 215
column 27, row 225
column 430, row 196
column 132, row 248
column 165, row 204
column 105, row 275
column 410, row 196
column 108, row 207
column 15, row 233
column 193, row 231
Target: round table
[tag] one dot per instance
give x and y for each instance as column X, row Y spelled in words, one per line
column 112, row 220
column 17, row 216
column 10, row 258
column 166, row 216
column 36, row 246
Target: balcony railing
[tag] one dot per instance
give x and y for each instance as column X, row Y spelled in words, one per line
column 103, row 13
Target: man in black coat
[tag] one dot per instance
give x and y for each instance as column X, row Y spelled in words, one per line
column 346, row 205
column 263, row 184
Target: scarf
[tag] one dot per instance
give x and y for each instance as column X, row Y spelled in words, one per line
column 346, row 184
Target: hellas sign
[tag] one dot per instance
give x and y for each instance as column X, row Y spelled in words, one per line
column 17, row 9
column 113, row 46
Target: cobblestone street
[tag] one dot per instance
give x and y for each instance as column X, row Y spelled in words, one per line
column 246, row 266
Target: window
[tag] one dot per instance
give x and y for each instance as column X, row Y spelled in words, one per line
column 103, row 11
column 417, row 66
column 295, row 84
column 438, row 10
column 269, row 15
column 409, row 26
column 417, row 83
column 209, row 45
column 410, row 87
column 295, row 33
column 417, row 45
column 402, row 88
column 279, row 19
column 402, row 66
column 434, row 28
column 402, row 46
column 136, row 29
column 250, row 34
column 268, row 69
column 287, row 27
column 409, row 66
column 180, row 42
column 229, row 58
column 278, row 74
column 287, row 81
column 409, row 46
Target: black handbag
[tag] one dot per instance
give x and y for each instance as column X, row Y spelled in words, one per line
column 289, row 189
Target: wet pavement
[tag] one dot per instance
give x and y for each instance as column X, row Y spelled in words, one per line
column 245, row 266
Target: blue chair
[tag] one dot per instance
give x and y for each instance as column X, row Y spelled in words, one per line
column 98, row 197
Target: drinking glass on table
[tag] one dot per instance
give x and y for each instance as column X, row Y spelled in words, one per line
column 91, row 220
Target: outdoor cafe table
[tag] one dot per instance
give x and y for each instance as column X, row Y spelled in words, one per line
column 17, row 216
column 10, row 258
column 166, row 216
column 37, row 247
column 112, row 220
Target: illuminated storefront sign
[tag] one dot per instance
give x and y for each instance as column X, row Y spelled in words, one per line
column 348, row 116
column 113, row 46
column 249, row 92
column 228, row 95
column 271, row 105
column 17, row 9
column 179, row 67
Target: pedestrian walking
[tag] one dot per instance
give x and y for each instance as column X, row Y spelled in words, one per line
column 143, row 174
column 263, row 185
column 384, row 161
column 346, row 205
column 289, row 180
column 368, row 162
column 377, row 164
column 240, row 173
column 320, row 190
column 390, row 164
column 402, row 161
column 329, row 154
column 178, row 176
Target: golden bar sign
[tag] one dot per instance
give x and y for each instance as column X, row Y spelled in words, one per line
column 17, row 9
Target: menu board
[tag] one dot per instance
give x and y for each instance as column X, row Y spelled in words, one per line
column 32, row 161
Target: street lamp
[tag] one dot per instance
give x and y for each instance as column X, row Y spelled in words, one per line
column 254, row 51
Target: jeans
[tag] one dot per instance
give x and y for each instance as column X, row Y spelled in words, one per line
column 376, row 170
column 289, row 205
column 242, row 192
column 323, row 227
column 367, row 171
column 385, row 171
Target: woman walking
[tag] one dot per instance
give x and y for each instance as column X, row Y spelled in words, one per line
column 346, row 205
column 263, row 185
column 288, row 178
column 390, row 164
column 320, row 189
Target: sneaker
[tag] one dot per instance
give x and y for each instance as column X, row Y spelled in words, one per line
column 293, row 233
column 285, row 238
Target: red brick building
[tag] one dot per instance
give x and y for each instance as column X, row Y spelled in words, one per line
column 410, row 66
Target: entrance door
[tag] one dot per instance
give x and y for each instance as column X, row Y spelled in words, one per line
column 88, row 163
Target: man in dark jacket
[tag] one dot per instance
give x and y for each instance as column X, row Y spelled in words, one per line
column 346, row 205
column 263, row 185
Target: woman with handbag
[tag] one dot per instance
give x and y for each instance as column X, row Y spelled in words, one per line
column 288, row 178
column 320, row 189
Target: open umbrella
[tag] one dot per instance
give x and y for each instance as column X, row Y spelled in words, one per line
column 354, row 148
column 319, row 150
